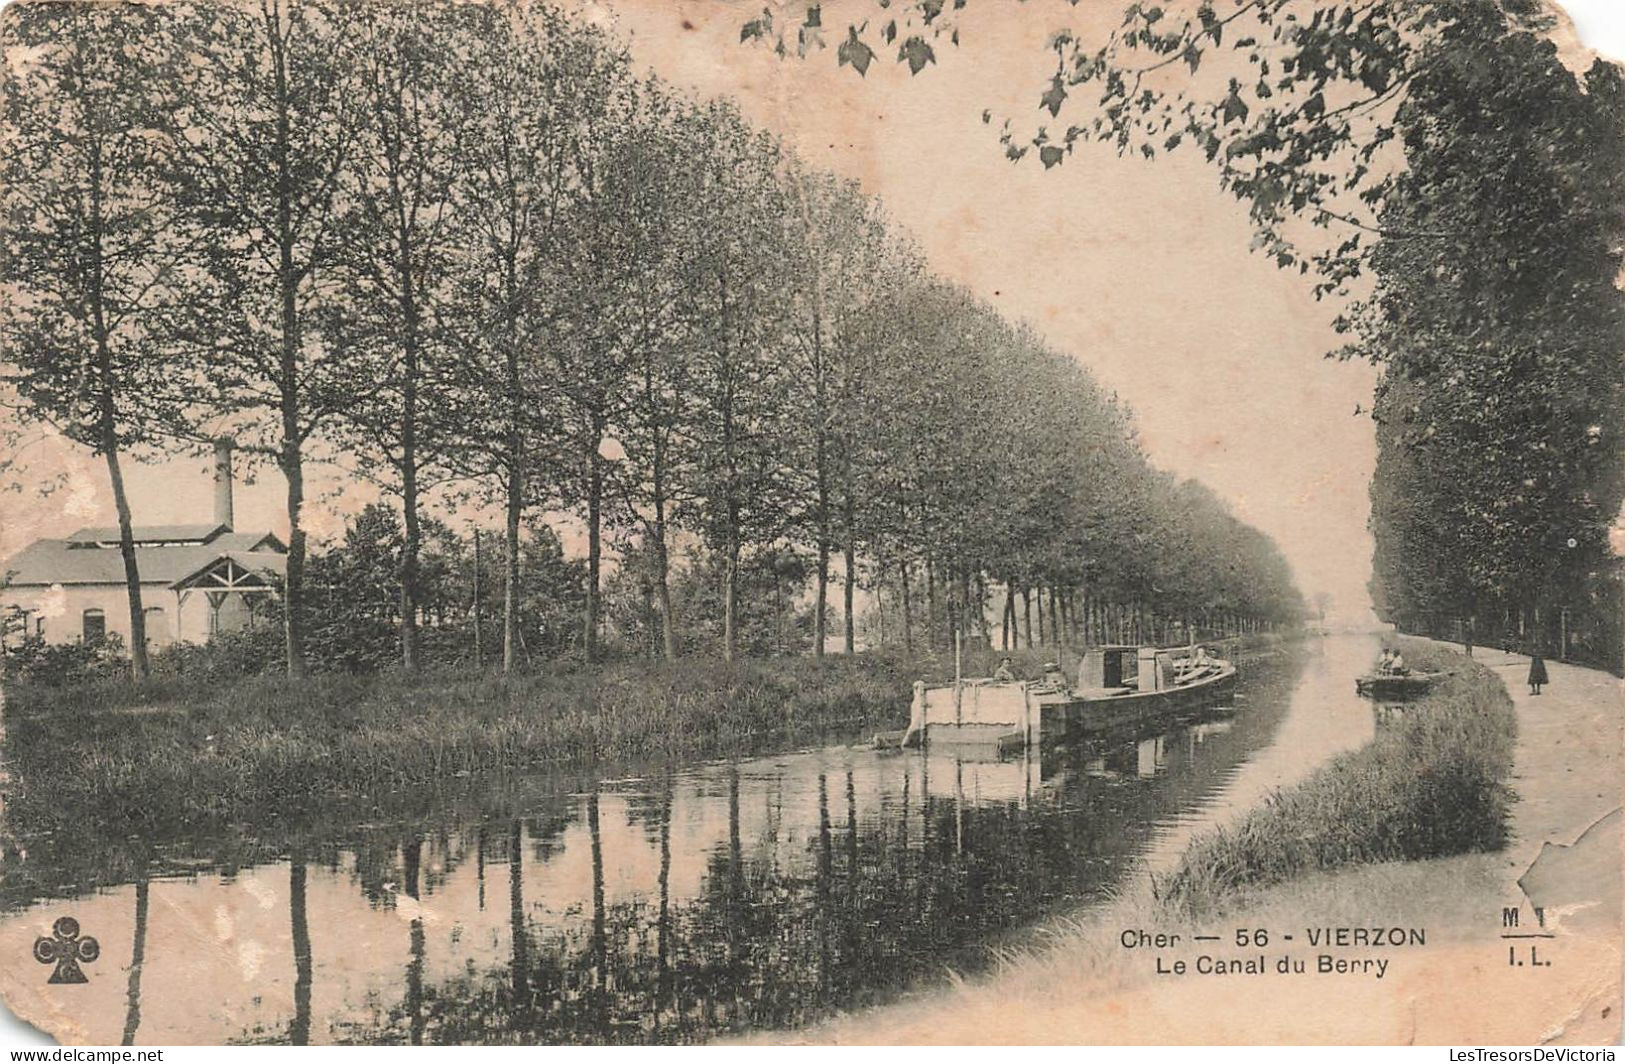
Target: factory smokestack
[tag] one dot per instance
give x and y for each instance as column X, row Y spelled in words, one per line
column 222, row 483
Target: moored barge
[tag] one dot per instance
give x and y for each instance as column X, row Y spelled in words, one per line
column 1119, row 687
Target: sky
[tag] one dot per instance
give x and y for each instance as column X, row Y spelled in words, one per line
column 1141, row 270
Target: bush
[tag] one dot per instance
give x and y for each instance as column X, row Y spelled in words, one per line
column 244, row 652
column 35, row 661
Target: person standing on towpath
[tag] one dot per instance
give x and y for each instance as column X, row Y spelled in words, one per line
column 1537, row 672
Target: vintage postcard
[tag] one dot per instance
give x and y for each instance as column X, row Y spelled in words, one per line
column 532, row 522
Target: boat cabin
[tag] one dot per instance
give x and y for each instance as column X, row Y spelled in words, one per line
column 1126, row 668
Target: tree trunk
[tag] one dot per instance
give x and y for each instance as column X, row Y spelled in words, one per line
column 730, row 601
column 479, row 643
column 931, row 604
column 595, row 544
column 126, row 546
column 1027, row 615
column 410, row 545
column 510, row 564
column 293, row 584
column 908, row 610
column 849, row 613
column 107, row 427
column 662, row 558
column 821, row 606
column 413, row 539
column 668, row 625
column 513, row 462
column 821, row 602
column 288, row 376
column 881, row 639
column 979, row 611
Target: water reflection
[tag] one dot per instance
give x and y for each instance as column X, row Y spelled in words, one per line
column 299, row 1029
column 132, row 1013
column 666, row 908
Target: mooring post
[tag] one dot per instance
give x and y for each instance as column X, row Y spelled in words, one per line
column 1032, row 725
column 917, row 719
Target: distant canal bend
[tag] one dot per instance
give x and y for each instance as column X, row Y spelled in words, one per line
column 762, row 893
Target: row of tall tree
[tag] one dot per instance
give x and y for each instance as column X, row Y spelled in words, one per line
column 1444, row 154
column 469, row 252
column 1502, row 401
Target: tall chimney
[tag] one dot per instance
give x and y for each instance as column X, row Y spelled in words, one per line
column 222, row 482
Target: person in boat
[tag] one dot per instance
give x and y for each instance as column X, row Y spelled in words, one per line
column 1004, row 673
column 1396, row 664
column 1385, row 662
column 1054, row 677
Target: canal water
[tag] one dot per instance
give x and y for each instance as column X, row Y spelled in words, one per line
column 664, row 907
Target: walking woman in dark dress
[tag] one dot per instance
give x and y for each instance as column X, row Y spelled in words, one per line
column 1537, row 672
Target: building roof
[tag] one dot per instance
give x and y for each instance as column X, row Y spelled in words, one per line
column 150, row 534
column 78, row 560
column 226, row 571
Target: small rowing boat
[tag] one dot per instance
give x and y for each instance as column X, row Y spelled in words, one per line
column 1397, row 686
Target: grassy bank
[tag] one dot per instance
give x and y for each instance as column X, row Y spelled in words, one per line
column 1431, row 784
column 187, row 748
column 212, row 754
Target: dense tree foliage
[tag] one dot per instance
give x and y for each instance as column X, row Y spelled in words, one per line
column 1441, row 150
column 355, row 616
column 472, row 252
column 1503, row 401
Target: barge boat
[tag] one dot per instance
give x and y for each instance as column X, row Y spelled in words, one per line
column 1119, row 687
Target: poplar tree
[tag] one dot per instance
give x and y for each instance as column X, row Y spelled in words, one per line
column 264, row 126
column 90, row 241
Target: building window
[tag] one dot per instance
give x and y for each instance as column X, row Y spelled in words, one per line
column 95, row 626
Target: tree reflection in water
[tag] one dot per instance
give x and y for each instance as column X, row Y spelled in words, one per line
column 782, row 933
column 299, row 1030
column 732, row 897
column 132, row 1012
